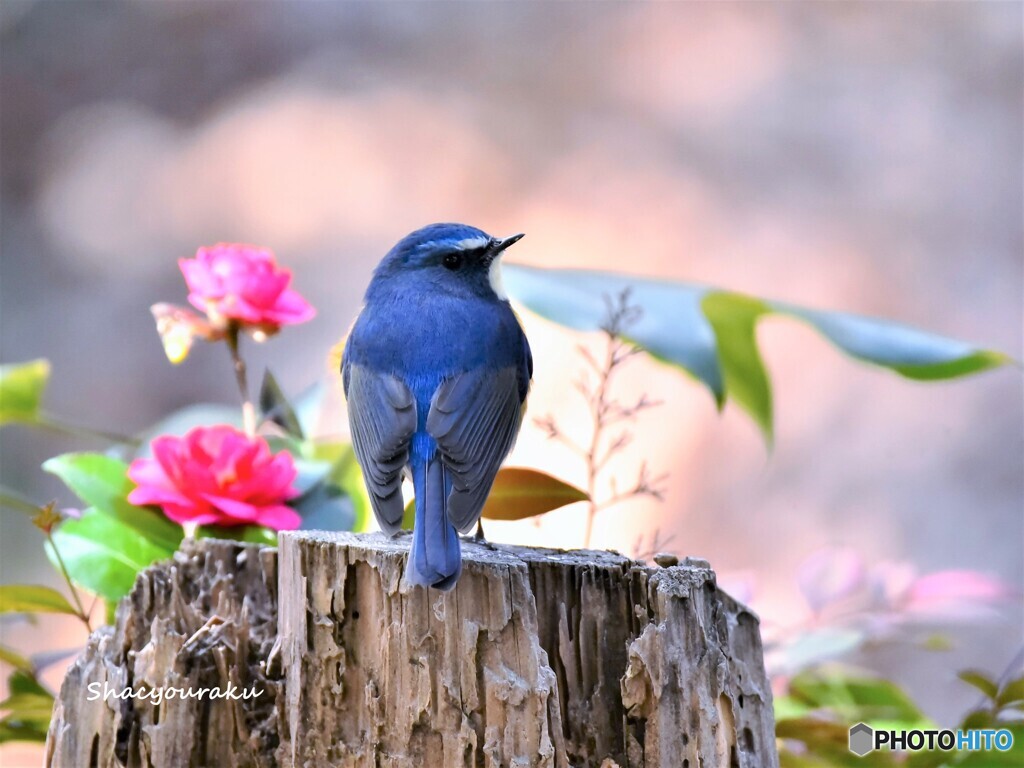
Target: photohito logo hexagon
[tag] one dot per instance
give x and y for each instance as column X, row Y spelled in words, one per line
column 861, row 739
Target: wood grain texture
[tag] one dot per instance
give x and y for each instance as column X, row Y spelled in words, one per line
column 537, row 658
column 205, row 619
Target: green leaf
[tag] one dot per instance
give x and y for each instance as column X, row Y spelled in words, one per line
column 719, row 348
column 21, row 390
column 15, row 659
column 274, row 406
column 25, row 683
column 981, row 681
column 345, row 475
column 29, row 707
column 13, row 729
column 103, row 554
column 32, row 598
column 672, row 328
column 102, row 482
column 519, row 493
column 826, row 745
column 979, row 718
column 909, row 351
column 855, row 698
column 253, row 534
column 1011, row 693
column 734, row 318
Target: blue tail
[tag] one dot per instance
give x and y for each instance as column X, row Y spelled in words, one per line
column 435, row 560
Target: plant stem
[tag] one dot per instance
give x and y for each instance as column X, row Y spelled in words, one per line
column 248, row 409
column 599, row 408
column 59, row 425
column 71, row 587
column 13, row 500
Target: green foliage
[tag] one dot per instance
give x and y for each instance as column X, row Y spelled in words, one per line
column 21, row 391
column 27, row 709
column 274, row 406
column 711, row 334
column 333, row 496
column 32, row 598
column 856, row 698
column 251, row 534
column 14, row 659
column 734, row 320
column 820, row 706
column 979, row 680
column 104, row 554
column 102, row 483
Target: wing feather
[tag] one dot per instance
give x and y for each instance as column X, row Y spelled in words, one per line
column 382, row 419
column 474, row 417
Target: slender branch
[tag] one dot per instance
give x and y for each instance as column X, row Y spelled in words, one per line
column 60, row 426
column 656, row 545
column 599, row 408
column 71, row 586
column 605, row 411
column 12, row 500
column 1003, row 679
column 248, row 409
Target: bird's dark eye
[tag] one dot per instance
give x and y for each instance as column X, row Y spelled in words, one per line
column 452, row 261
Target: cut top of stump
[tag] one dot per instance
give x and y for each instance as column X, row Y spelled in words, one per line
column 538, row 657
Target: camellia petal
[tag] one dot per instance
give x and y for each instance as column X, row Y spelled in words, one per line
column 242, row 512
column 280, row 518
column 217, row 476
column 242, row 283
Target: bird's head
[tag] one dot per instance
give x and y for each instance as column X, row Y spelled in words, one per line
column 454, row 258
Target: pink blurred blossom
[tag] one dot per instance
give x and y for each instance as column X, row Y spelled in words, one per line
column 231, row 281
column 853, row 603
column 830, row 576
column 217, row 476
column 953, row 595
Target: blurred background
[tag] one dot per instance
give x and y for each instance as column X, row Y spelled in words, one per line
column 863, row 157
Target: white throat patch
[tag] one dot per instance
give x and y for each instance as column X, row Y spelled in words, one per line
column 494, row 277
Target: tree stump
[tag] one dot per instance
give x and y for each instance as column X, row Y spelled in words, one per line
column 537, row 658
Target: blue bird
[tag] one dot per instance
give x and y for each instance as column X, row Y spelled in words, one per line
column 436, row 371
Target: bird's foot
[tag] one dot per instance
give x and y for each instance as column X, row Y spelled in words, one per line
column 478, row 537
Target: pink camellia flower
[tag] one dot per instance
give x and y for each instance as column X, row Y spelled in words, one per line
column 230, row 281
column 217, row 476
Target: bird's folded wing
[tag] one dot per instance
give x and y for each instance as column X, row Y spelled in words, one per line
column 474, row 417
column 382, row 418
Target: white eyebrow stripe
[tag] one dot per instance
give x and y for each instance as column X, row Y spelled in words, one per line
column 472, row 243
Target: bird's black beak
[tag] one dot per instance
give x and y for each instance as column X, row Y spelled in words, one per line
column 501, row 245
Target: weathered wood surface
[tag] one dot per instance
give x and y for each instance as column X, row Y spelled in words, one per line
column 537, row 658
column 205, row 619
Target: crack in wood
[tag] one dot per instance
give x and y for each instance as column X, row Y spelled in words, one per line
column 538, row 659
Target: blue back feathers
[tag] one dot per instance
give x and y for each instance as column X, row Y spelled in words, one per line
column 435, row 336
